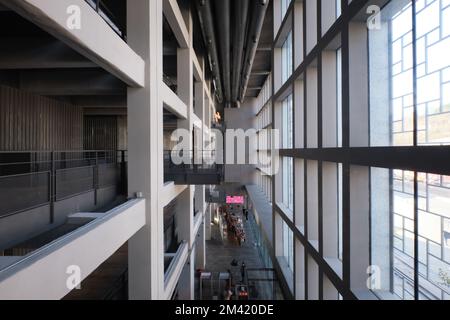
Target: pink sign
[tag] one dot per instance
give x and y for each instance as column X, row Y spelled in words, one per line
column 235, row 200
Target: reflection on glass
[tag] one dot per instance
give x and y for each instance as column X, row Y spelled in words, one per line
column 392, row 77
column 392, row 221
column 392, row 74
column 434, row 246
column 433, row 71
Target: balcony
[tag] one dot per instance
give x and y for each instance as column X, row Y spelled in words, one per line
column 33, row 179
column 40, row 190
column 51, row 261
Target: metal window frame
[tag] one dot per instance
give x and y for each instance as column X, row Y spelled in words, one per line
column 428, row 159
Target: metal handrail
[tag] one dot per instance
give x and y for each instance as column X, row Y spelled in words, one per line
column 60, row 151
column 59, row 156
column 54, row 167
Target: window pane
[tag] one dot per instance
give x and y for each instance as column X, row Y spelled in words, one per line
column 287, row 123
column 434, row 240
column 433, row 72
column 286, row 62
column 288, row 186
column 339, row 95
column 392, row 221
column 392, row 77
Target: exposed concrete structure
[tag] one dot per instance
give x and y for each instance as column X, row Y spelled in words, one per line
column 343, row 128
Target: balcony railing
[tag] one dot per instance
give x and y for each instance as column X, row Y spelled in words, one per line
column 32, row 179
column 101, row 8
column 197, row 168
column 173, row 270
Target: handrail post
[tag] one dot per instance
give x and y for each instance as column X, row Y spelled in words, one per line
column 96, row 179
column 123, row 174
column 52, row 187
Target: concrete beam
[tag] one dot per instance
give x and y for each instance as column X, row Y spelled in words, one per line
column 176, row 22
column 71, row 82
column 260, row 73
column 264, row 47
column 105, row 111
column 198, row 70
column 39, row 53
column 94, row 39
column 173, row 103
column 254, row 88
column 100, row 102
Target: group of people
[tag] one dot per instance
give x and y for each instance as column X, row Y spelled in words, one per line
column 234, row 224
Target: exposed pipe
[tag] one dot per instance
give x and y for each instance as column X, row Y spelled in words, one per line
column 222, row 10
column 256, row 25
column 241, row 14
column 207, row 27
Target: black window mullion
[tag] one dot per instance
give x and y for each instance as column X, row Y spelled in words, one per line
column 319, row 145
column 345, row 82
column 415, row 138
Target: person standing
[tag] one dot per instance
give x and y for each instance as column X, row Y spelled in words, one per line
column 243, row 271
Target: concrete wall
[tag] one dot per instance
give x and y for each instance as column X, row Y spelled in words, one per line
column 31, row 122
column 242, row 118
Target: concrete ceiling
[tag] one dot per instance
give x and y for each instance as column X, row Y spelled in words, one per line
column 33, row 54
column 263, row 59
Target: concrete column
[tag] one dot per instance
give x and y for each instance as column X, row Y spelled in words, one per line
column 145, row 150
column 185, row 216
column 208, row 218
column 360, row 228
column 200, row 201
column 185, row 210
column 199, row 99
column 299, row 274
column 186, row 282
column 200, row 260
column 298, row 30
column 381, row 225
column 359, row 95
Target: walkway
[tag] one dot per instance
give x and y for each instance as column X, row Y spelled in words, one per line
column 220, row 253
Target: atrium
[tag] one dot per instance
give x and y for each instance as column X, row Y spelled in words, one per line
column 224, row 150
